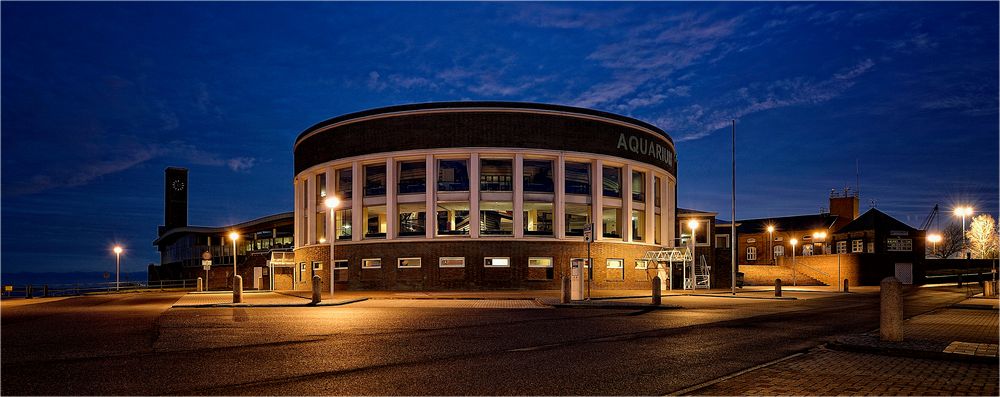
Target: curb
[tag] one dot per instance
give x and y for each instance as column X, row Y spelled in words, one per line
column 909, row 353
column 637, row 306
column 306, row 304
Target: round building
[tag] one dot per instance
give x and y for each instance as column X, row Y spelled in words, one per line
column 469, row 195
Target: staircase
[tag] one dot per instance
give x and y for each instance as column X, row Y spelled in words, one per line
column 764, row 275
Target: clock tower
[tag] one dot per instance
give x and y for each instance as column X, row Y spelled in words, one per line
column 175, row 208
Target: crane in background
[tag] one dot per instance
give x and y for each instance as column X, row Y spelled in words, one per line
column 930, row 219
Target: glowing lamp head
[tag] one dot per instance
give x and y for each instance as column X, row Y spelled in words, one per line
column 770, row 228
column 117, row 249
column 794, row 241
column 331, row 202
column 963, row 211
column 819, row 235
column 693, row 224
column 234, row 236
column 322, row 241
column 934, row 238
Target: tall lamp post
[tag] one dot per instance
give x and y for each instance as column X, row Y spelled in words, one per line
column 693, row 224
column 934, row 239
column 234, row 236
column 794, row 241
column 770, row 242
column 332, row 203
column 118, row 265
column 964, row 212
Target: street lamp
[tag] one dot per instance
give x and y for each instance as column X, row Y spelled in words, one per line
column 234, row 236
column 934, row 239
column 118, row 265
column 794, row 241
column 770, row 242
column 332, row 203
column 964, row 212
column 693, row 224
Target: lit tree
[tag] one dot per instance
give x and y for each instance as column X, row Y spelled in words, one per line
column 982, row 236
column 950, row 244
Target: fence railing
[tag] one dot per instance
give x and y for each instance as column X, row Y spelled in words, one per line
column 45, row 290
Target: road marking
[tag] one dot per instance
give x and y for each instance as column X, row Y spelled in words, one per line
column 730, row 376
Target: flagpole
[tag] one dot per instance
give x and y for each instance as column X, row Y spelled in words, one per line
column 732, row 222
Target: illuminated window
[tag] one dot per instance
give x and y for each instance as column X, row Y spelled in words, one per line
column 751, row 253
column 656, row 191
column 404, row 263
column 638, row 224
column 638, row 186
column 841, row 247
column 344, row 183
column 451, row 261
column 496, row 262
column 375, row 221
column 496, row 218
column 611, row 220
column 412, row 219
column 615, row 263
column 453, row 219
column 857, row 245
column 496, row 175
column 807, row 249
column 539, row 262
column 656, row 229
column 371, row 263
column 538, row 219
column 317, row 266
column 343, row 224
column 779, row 251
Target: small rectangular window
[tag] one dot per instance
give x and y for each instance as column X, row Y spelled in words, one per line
column 751, row 253
column 857, row 245
column 496, row 262
column 641, row 264
column 841, row 247
column 340, row 264
column 616, row 263
column 451, row 261
column 371, row 263
column 539, row 262
column 317, row 265
column 404, row 263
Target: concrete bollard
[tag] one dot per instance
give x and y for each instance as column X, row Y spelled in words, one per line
column 960, row 278
column 891, row 312
column 28, row 292
column 566, row 284
column 238, row 290
column 989, row 289
column 657, row 293
column 847, row 285
column 200, row 285
column 317, row 290
column 777, row 288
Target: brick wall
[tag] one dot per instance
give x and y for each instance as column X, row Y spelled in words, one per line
column 475, row 275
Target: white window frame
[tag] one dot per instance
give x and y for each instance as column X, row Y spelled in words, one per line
column 897, row 244
column 842, row 247
column 779, row 251
column 317, row 265
column 399, row 263
column 857, row 246
column 722, row 236
column 442, row 259
column 810, row 251
column 537, row 258
column 641, row 264
column 490, row 259
column 751, row 253
column 366, row 263
column 337, row 264
column 620, row 265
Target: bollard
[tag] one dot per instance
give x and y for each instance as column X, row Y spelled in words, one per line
column 317, row 287
column 566, row 285
column 960, row 278
column 657, row 293
column 777, row 288
column 238, row 290
column 847, row 285
column 27, row 292
column 891, row 312
column 199, row 285
column 989, row 289
column 45, row 291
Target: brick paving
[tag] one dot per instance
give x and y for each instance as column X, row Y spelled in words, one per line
column 828, row 372
column 256, row 298
column 454, row 303
column 979, row 326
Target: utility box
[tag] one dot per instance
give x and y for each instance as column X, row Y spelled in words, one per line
column 576, row 269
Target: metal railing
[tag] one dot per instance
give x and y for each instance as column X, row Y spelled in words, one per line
column 47, row 290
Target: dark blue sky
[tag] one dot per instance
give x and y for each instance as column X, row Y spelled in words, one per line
column 98, row 98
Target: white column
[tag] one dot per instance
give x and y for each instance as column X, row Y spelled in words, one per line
column 331, row 232
column 358, row 226
column 559, row 206
column 392, row 219
column 474, row 195
column 429, row 202
column 669, row 211
column 651, row 208
column 627, row 202
column 311, row 210
column 297, row 234
column 597, row 198
column 518, row 195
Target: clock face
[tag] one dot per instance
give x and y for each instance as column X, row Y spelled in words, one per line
column 177, row 185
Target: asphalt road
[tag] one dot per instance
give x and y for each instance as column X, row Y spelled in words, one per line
column 134, row 344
